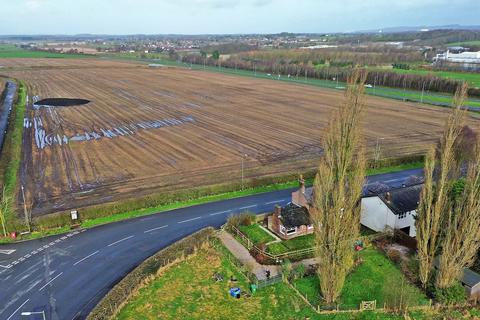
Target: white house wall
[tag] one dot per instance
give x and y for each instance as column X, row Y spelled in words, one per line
column 376, row 215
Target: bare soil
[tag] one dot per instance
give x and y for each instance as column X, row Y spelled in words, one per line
column 164, row 129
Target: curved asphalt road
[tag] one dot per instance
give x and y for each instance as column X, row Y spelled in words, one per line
column 66, row 275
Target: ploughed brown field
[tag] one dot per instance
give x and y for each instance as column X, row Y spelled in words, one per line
column 148, row 130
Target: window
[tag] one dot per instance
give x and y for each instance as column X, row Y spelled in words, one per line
column 310, row 227
column 402, row 215
column 288, row 231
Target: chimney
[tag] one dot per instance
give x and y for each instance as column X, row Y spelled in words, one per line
column 388, row 197
column 302, row 184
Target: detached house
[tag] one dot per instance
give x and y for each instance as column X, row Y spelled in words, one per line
column 293, row 220
column 394, row 209
column 382, row 208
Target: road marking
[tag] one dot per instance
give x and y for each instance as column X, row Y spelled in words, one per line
column 111, row 244
column 276, row 201
column 86, row 258
column 10, row 251
column 188, row 220
column 155, row 229
column 6, row 267
column 216, row 213
column 247, row 207
column 46, row 284
column 18, row 309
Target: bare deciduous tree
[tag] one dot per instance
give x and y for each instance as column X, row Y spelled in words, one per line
column 337, row 190
column 434, row 201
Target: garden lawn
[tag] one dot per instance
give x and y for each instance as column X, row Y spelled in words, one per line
column 377, row 278
column 187, row 291
column 256, row 234
column 298, row 243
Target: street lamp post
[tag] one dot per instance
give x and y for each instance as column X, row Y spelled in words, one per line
column 30, row 313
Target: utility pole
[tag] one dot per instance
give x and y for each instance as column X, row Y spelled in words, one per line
column 244, row 156
column 27, row 219
column 305, row 74
column 377, row 151
column 423, row 90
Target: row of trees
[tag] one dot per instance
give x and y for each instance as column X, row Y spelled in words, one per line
column 448, row 219
column 301, row 69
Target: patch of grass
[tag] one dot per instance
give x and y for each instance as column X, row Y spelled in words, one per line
column 11, row 154
column 256, row 234
column 465, row 43
column 376, row 278
column 298, row 243
column 187, row 291
column 472, row 78
column 396, row 168
column 11, row 51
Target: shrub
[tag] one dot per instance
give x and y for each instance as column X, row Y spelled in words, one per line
column 452, row 295
column 299, row 271
column 256, row 252
column 287, row 269
column 394, row 255
column 242, row 219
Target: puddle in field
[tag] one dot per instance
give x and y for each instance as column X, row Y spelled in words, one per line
column 59, row 102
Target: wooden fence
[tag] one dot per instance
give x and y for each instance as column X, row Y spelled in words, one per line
column 291, row 255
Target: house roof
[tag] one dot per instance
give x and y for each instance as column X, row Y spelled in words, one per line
column 294, row 216
column 470, row 278
column 402, row 200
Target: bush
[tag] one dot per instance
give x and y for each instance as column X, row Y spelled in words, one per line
column 287, row 269
column 242, row 219
column 394, row 255
column 299, row 271
column 452, row 295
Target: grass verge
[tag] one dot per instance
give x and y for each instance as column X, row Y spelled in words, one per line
column 12, row 154
column 41, row 231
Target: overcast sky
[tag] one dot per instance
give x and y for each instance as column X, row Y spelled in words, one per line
column 227, row 16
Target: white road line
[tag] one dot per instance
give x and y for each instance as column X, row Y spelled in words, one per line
column 46, row 284
column 86, row 257
column 217, row 213
column 188, row 220
column 10, row 251
column 247, row 207
column 155, row 229
column 276, row 201
column 17, row 309
column 114, row 243
column 6, row 267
